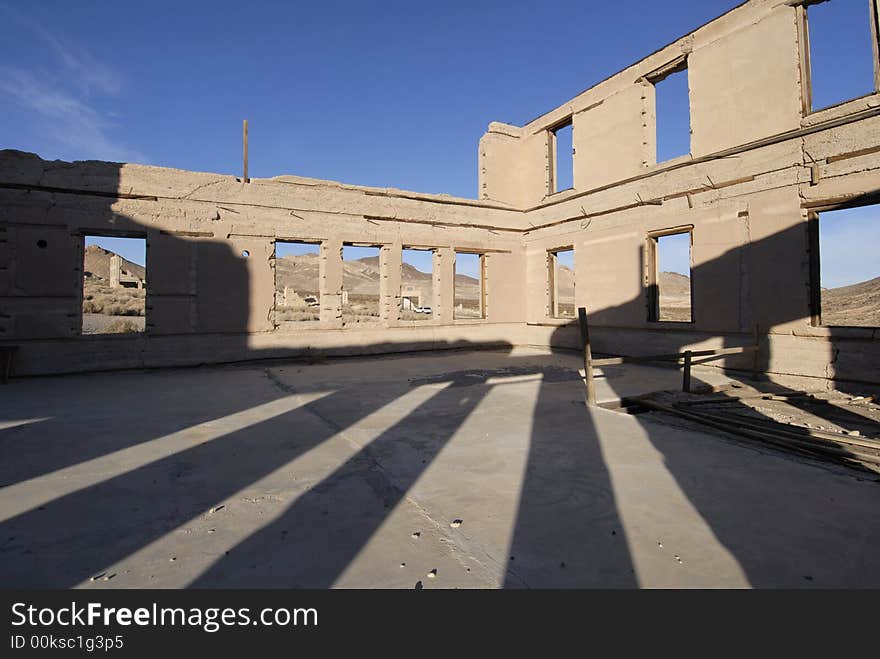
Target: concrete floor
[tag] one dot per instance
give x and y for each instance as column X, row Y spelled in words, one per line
column 353, row 473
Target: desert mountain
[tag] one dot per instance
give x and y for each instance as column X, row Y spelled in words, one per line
column 97, row 263
column 360, row 277
column 675, row 285
column 857, row 304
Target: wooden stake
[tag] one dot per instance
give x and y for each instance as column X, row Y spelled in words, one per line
column 686, row 379
column 756, row 356
column 245, row 137
column 588, row 356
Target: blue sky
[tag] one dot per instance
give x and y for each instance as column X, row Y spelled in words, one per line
column 673, row 117
column 674, row 253
column 467, row 264
column 387, row 94
column 841, row 53
column 283, row 249
column 849, row 246
column 133, row 249
column 420, row 259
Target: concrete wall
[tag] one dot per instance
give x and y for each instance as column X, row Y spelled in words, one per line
column 759, row 165
column 206, row 300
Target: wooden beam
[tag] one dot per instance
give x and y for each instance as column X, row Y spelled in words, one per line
column 686, row 377
column 616, row 361
column 245, row 138
column 588, row 356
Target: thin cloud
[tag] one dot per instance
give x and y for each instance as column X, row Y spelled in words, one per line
column 63, row 103
column 66, row 119
column 88, row 72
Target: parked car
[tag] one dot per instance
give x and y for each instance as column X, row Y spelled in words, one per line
column 422, row 309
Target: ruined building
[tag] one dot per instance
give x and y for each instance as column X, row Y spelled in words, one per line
column 466, row 468
column 762, row 169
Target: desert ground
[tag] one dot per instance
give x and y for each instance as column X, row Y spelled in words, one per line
column 360, row 279
column 109, row 310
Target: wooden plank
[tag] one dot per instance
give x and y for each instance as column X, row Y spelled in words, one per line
column 788, row 429
column 756, row 357
column 802, row 444
column 616, row 361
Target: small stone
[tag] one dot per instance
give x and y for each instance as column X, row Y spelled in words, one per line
column 98, row 576
column 432, row 573
column 216, row 508
column 660, row 544
column 855, row 433
column 562, row 564
column 416, row 535
column 109, row 576
column 172, row 559
column 403, row 565
column 419, row 585
column 455, row 523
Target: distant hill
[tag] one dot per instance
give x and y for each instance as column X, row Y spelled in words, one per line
column 96, row 263
column 360, row 276
column 675, row 285
column 856, row 305
column 675, row 296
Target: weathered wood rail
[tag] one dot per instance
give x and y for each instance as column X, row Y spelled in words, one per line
column 686, row 357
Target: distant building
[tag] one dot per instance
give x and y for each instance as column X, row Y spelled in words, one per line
column 120, row 277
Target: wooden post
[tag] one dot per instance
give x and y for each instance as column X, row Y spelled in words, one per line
column 756, row 354
column 245, row 138
column 686, row 379
column 588, row 356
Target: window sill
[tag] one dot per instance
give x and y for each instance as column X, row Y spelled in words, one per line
column 842, row 109
column 842, row 332
column 677, row 160
column 113, row 336
column 554, row 321
column 671, row 324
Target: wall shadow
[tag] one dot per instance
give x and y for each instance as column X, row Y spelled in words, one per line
column 752, row 501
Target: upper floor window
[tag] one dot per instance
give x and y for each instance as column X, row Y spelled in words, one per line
column 562, row 157
column 841, row 53
column 673, row 122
